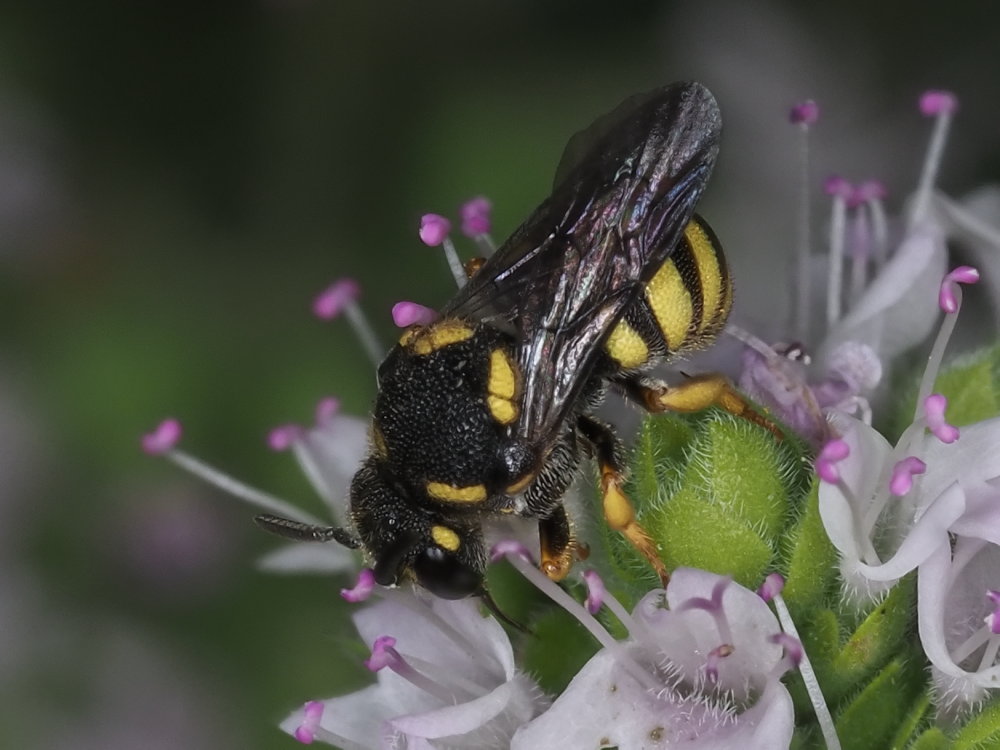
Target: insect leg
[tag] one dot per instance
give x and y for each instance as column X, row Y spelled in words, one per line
column 557, row 544
column 305, row 532
column 618, row 510
column 472, row 266
column 696, row 393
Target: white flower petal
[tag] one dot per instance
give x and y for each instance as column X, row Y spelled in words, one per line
column 441, row 632
column 925, row 536
column 937, row 581
column 768, row 725
column 356, row 717
column 860, row 471
column 604, row 706
column 467, row 718
column 309, row 558
column 899, row 308
column 751, row 620
column 330, row 455
column 973, row 459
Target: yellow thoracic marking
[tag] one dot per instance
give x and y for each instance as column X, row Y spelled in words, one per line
column 671, row 304
column 436, row 336
column 474, row 493
column 502, row 382
column 502, row 385
column 626, row 347
column 445, row 538
column 502, row 409
column 712, row 285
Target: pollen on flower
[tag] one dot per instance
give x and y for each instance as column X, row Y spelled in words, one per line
column 475, row 214
column 937, row 102
column 507, row 548
column 934, row 408
column 312, row 713
column 772, row 586
column 804, row 113
column 434, row 229
column 595, row 591
column 791, row 645
column 903, row 473
column 383, row 653
column 832, row 453
column 406, row 314
column 838, row 187
column 333, row 300
column 362, row 589
column 326, row 409
column 716, row 655
column 870, row 190
column 282, row 437
column 949, row 298
column 163, row 438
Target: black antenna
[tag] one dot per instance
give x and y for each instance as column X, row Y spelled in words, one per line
column 306, row 532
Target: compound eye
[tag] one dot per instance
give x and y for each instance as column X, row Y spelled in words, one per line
column 444, row 575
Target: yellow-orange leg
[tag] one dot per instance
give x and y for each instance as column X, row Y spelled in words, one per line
column 555, row 536
column 699, row 392
column 472, row 266
column 618, row 510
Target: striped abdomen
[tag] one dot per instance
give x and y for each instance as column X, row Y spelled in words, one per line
column 684, row 306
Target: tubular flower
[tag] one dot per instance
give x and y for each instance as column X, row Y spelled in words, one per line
column 445, row 678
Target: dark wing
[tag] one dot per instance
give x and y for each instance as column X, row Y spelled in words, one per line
column 625, row 190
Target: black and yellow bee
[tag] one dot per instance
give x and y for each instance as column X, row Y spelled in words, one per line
column 486, row 411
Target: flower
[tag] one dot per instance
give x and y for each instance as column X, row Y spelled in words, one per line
column 957, row 583
column 700, row 664
column 885, row 307
column 328, row 453
column 445, row 679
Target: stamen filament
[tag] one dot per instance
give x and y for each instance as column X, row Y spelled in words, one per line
column 418, row 679
column 593, row 626
column 635, row 631
column 880, row 231
column 365, row 333
column 838, row 221
column 336, row 740
column 860, row 252
column 485, row 244
column 803, row 247
column 965, row 649
column 936, row 356
column 238, row 489
column 990, row 654
column 311, row 470
column 809, row 678
column 454, row 263
column 932, row 164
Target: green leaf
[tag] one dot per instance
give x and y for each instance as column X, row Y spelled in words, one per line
column 911, row 724
column 553, row 668
column 931, row 739
column 715, row 492
column 872, row 718
column 877, row 638
column 971, row 384
column 812, row 560
column 982, row 732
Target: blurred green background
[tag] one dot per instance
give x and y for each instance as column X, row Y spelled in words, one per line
column 177, row 180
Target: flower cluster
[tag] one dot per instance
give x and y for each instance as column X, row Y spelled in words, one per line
column 859, row 526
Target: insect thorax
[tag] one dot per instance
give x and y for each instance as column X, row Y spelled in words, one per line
column 442, row 420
